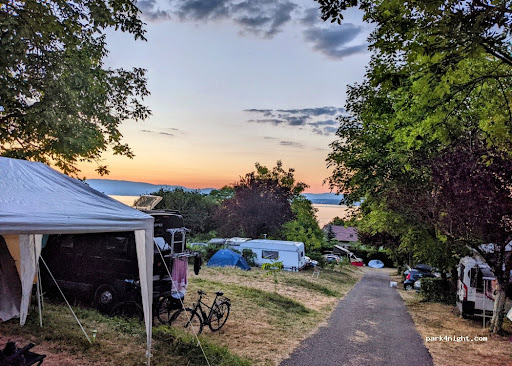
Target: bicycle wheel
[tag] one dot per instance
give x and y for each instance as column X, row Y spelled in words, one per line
column 188, row 320
column 219, row 315
column 164, row 309
column 128, row 310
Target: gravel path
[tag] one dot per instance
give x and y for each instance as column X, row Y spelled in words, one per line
column 370, row 326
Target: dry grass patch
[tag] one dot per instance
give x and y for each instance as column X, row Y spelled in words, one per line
column 264, row 325
column 435, row 319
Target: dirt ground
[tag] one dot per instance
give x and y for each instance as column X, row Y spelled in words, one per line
column 467, row 346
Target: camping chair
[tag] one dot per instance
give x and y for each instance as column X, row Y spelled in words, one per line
column 14, row 356
column 316, row 271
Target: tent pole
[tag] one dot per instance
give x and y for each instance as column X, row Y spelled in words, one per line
column 38, row 283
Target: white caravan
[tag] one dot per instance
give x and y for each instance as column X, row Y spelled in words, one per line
column 290, row 253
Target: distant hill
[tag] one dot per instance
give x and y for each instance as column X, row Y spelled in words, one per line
column 128, row 188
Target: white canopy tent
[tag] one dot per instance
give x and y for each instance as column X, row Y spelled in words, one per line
column 35, row 200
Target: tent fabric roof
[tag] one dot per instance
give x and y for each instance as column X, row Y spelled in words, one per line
column 227, row 257
column 29, row 192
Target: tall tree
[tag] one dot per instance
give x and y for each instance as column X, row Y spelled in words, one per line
column 261, row 203
column 438, row 90
column 59, row 104
column 197, row 209
column 304, row 227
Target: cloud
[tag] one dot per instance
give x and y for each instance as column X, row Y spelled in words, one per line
column 319, row 120
column 332, row 42
column 312, row 16
column 202, row 10
column 329, row 122
column 291, row 144
column 325, row 131
column 264, row 18
column 149, row 13
column 158, row 133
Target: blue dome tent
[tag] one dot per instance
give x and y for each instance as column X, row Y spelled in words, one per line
column 227, row 257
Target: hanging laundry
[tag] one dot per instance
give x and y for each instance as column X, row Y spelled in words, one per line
column 179, row 275
column 198, row 261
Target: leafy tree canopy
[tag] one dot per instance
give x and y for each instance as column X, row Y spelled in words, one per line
column 428, row 140
column 198, row 209
column 261, row 203
column 304, row 227
column 59, row 104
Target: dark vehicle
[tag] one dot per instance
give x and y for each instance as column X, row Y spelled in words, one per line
column 96, row 266
column 413, row 276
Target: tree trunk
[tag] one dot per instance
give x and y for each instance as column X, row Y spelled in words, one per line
column 499, row 309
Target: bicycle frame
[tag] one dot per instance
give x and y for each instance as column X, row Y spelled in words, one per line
column 205, row 319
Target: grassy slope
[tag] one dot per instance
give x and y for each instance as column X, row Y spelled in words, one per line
column 263, row 328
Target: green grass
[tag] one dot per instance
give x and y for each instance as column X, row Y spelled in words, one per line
column 299, row 282
column 279, row 307
column 119, row 341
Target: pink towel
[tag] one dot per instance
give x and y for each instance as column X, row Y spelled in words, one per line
column 179, row 275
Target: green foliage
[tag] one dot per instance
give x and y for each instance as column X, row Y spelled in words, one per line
column 249, row 256
column 438, row 290
column 426, row 141
column 207, row 251
column 59, row 104
column 273, row 269
column 317, row 256
column 304, row 228
column 222, row 194
column 337, row 221
column 197, row 209
column 261, row 203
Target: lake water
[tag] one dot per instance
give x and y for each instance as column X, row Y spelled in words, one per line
column 324, row 214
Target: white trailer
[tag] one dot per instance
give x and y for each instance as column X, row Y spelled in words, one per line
column 290, row 253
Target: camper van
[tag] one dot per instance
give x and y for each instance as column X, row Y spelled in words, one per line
column 96, row 266
column 475, row 288
column 290, row 253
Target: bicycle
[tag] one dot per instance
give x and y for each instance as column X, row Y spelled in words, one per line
column 192, row 320
column 165, row 302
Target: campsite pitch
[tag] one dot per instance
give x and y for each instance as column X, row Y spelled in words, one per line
column 263, row 328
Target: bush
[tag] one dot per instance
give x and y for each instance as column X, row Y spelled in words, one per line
column 438, row 290
column 207, row 252
column 317, row 256
column 249, row 256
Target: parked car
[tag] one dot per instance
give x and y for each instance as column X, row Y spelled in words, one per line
column 413, row 276
column 332, row 258
column 310, row 262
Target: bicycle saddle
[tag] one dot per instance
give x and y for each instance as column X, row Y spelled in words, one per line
column 219, row 293
column 201, row 292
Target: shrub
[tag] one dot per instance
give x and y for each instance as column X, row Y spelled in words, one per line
column 317, row 256
column 437, row 290
column 249, row 256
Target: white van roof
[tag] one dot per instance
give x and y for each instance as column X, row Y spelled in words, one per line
column 291, row 246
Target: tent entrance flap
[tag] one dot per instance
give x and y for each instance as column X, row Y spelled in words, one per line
column 145, row 257
column 10, row 285
column 30, row 250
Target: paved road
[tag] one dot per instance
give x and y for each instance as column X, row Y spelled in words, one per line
column 370, row 326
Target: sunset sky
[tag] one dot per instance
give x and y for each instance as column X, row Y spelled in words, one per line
column 233, row 83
